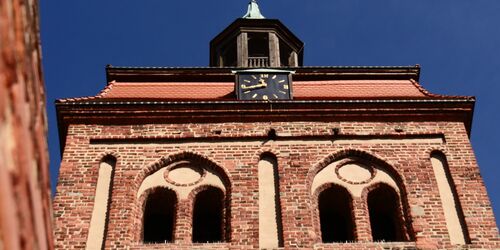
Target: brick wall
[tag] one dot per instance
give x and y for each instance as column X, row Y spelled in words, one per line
column 302, row 149
column 25, row 211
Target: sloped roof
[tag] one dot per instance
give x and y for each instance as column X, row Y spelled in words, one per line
column 161, row 94
column 302, row 90
column 217, row 84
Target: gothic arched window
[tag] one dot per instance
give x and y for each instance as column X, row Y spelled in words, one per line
column 385, row 214
column 335, row 213
column 159, row 216
column 208, row 216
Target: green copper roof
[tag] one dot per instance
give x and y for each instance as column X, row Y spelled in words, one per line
column 253, row 11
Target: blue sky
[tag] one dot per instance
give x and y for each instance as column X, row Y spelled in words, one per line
column 457, row 43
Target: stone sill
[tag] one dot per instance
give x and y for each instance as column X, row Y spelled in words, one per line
column 181, row 246
column 368, row 245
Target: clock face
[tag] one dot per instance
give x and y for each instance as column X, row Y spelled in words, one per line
column 263, row 86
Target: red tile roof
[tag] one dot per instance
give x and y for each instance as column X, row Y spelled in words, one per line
column 302, row 90
column 171, row 91
column 365, row 89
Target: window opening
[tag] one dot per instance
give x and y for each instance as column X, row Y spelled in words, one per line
column 208, row 216
column 228, row 54
column 258, row 49
column 335, row 212
column 159, row 216
column 286, row 55
column 385, row 216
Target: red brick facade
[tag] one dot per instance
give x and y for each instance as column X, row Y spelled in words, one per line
column 25, row 210
column 144, row 147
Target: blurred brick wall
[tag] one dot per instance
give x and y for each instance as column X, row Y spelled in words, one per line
column 25, row 211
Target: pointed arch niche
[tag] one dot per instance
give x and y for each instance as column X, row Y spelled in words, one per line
column 188, row 182
column 104, row 186
column 342, row 185
column 453, row 214
column 270, row 220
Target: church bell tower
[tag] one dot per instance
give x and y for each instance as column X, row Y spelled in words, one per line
column 256, row 42
column 257, row 151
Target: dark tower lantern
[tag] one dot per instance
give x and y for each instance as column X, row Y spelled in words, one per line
column 256, row 42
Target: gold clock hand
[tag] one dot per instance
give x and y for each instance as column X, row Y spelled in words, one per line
column 254, row 86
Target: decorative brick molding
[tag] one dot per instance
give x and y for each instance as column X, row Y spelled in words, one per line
column 346, row 153
column 183, row 155
column 103, row 155
column 350, row 156
column 352, row 160
column 180, row 164
column 184, row 207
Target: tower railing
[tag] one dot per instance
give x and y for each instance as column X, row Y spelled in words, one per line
column 258, row 62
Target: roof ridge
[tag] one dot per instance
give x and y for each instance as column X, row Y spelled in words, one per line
column 181, row 83
column 305, row 67
column 429, row 94
column 101, row 94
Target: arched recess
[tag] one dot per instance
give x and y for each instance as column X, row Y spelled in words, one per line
column 356, row 171
column 386, row 218
column 99, row 219
column 453, row 213
column 159, row 215
column 209, row 220
column 171, row 172
column 270, row 220
column 336, row 214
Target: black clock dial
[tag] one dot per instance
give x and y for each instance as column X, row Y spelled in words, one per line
column 263, row 86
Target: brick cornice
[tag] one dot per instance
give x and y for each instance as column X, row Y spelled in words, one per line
column 458, row 110
column 231, row 111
